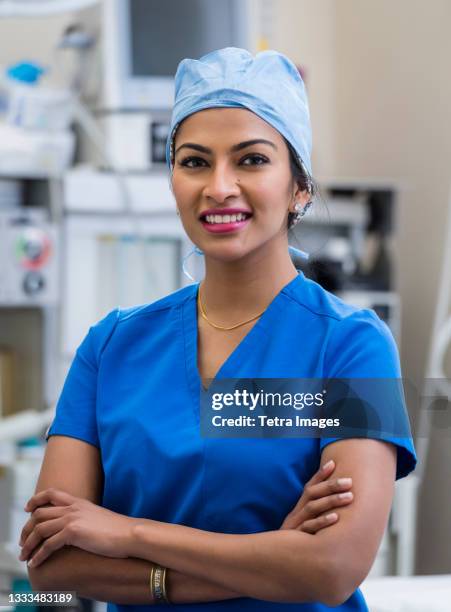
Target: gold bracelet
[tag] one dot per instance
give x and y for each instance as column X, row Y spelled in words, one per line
column 158, row 584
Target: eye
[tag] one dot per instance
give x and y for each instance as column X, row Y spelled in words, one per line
column 193, row 162
column 258, row 160
column 187, row 161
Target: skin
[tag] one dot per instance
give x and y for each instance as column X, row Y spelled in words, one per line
column 74, row 467
column 243, row 270
column 77, row 544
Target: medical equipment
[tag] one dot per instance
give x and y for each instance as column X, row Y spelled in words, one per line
column 24, row 425
column 34, row 154
column 28, row 259
column 43, row 8
column 34, row 108
column 136, row 141
column 35, row 138
column 19, row 470
column 106, row 264
column 138, row 66
column 10, row 194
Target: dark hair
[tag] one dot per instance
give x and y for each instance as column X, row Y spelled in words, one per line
column 300, row 176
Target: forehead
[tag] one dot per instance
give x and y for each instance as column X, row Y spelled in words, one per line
column 232, row 124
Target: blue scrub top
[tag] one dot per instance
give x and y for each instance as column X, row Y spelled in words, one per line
column 133, row 391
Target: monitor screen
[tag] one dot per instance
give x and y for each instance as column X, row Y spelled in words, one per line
column 164, row 33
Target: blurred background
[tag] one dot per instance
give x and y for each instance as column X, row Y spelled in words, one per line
column 87, row 221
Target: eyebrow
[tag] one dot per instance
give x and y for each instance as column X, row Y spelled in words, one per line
column 237, row 147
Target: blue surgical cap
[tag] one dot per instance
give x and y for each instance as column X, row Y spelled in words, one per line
column 268, row 84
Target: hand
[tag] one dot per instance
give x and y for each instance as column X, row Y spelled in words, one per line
column 59, row 519
column 320, row 496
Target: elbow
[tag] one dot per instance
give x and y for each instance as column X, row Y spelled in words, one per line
column 333, row 597
column 38, row 579
column 328, row 589
column 325, row 584
column 54, row 574
column 339, row 582
column 42, row 578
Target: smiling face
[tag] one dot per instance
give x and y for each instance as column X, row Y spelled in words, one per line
column 232, row 182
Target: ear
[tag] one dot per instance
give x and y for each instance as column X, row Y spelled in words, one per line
column 301, row 196
column 300, row 193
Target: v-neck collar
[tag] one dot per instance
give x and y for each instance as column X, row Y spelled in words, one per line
column 258, row 333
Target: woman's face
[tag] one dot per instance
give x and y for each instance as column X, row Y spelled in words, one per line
column 229, row 162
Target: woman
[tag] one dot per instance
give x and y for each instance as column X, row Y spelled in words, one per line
column 127, row 481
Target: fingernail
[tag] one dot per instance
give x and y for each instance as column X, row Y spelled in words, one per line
column 30, row 563
column 344, row 481
column 327, row 465
column 346, row 495
column 331, row 517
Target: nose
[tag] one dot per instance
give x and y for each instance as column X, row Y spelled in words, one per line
column 221, row 183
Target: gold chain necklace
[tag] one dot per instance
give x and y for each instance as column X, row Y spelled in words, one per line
column 202, row 311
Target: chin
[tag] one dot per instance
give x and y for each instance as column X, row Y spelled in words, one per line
column 225, row 253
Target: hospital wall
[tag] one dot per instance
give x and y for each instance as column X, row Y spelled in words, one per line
column 380, row 97
column 306, row 31
column 393, row 119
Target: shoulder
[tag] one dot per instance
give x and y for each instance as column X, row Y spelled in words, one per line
column 131, row 319
column 166, row 303
column 355, row 339
column 311, row 297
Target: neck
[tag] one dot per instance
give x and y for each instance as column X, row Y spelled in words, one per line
column 232, row 291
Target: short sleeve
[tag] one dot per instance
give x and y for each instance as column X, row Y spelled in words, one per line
column 75, row 414
column 362, row 346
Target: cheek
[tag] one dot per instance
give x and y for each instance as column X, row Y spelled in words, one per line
column 269, row 196
column 184, row 192
column 271, row 185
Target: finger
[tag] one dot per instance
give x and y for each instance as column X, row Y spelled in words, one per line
column 335, row 485
column 38, row 516
column 48, row 547
column 55, row 497
column 290, row 522
column 26, row 530
column 313, row 508
column 318, row 506
column 324, row 472
column 314, row 525
column 40, row 532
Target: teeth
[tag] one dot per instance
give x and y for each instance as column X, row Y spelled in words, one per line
column 225, row 218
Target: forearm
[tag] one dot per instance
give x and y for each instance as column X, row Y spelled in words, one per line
column 120, row 581
column 282, row 566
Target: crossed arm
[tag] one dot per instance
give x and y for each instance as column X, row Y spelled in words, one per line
column 285, row 565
